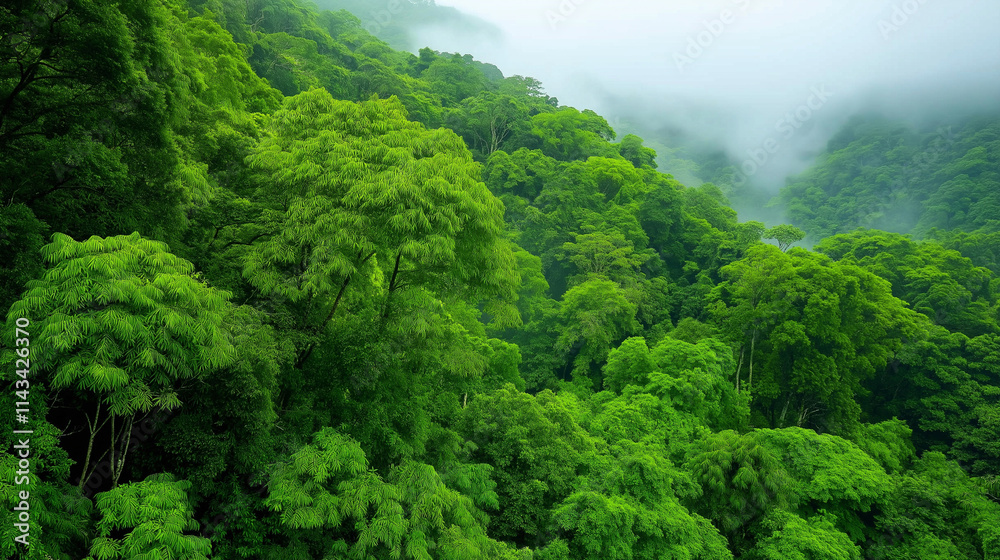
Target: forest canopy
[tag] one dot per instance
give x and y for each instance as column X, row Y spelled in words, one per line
column 274, row 289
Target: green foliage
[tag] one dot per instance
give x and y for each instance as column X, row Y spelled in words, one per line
column 621, row 527
column 538, row 451
column 60, row 518
column 819, row 329
column 631, row 148
column 981, row 246
column 940, row 283
column 328, row 483
column 86, row 96
column 879, row 174
column 602, row 254
column 568, row 134
column 746, row 478
column 696, row 380
column 596, row 314
column 490, row 121
column 226, row 424
column 156, row 513
column 889, row 443
column 20, row 242
column 628, row 364
column 785, row 235
column 794, row 538
column 692, row 391
column 123, row 318
column 945, row 385
column 740, row 477
column 363, row 189
column 935, row 511
column 455, row 77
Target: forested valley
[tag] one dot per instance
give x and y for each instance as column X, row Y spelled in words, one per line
column 275, row 290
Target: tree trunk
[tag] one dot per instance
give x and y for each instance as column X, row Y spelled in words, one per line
column 127, row 437
column 393, row 286
column 336, row 302
column 781, row 421
column 90, row 445
column 739, row 367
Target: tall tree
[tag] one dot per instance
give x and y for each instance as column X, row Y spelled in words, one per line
column 123, row 321
column 373, row 200
column 157, row 514
column 86, row 91
column 818, row 328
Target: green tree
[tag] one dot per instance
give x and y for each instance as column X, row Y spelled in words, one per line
column 884, row 174
column 568, row 134
column 538, row 451
column 455, row 77
column 20, row 243
column 86, row 93
column 596, row 315
column 945, row 385
column 749, row 480
column 488, row 120
column 628, row 364
column 60, row 523
column 123, row 321
column 934, row 510
column 156, row 513
column 785, row 235
column 603, row 254
column 815, row 538
column 940, row 283
column 631, row 148
column 364, row 190
column 819, row 328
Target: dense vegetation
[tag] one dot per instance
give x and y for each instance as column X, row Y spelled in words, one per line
column 880, row 174
column 295, row 294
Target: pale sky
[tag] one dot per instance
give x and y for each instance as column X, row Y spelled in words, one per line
column 731, row 69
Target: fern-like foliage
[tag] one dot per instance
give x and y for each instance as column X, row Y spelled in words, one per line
column 156, row 513
column 123, row 318
column 328, row 488
column 372, row 198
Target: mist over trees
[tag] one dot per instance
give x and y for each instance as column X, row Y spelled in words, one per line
column 274, row 288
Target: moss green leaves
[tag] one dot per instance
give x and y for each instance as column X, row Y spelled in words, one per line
column 810, row 331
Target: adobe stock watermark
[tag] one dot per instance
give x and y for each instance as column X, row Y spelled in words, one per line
column 787, row 126
column 900, row 16
column 562, row 12
column 714, row 28
column 383, row 17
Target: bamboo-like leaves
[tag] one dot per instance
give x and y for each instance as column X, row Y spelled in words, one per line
column 123, row 318
column 360, row 186
column 156, row 512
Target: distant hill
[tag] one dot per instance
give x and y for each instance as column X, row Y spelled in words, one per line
column 397, row 22
column 888, row 175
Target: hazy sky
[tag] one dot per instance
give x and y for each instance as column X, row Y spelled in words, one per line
column 731, row 70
